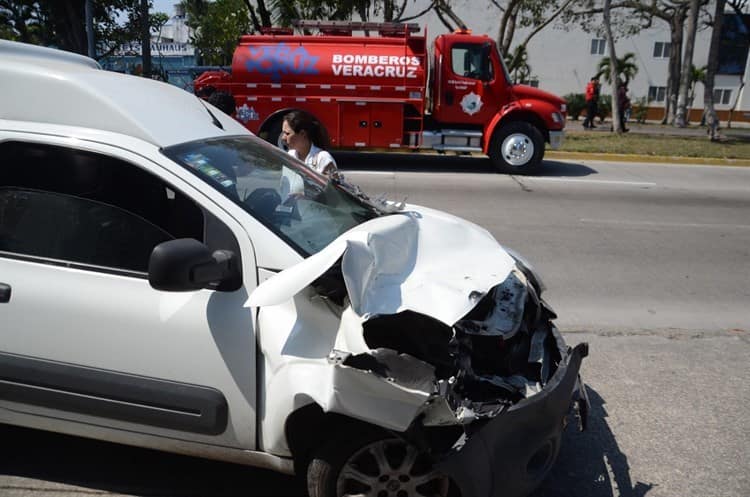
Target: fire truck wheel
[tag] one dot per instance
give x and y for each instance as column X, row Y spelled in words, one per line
column 517, row 148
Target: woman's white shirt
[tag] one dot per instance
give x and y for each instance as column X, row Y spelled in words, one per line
column 318, row 160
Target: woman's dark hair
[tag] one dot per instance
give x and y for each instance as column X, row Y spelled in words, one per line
column 299, row 120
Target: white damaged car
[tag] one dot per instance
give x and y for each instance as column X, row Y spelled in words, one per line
column 168, row 280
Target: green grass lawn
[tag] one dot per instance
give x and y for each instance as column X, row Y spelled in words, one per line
column 732, row 148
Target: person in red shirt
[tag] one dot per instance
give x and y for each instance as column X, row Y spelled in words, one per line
column 592, row 99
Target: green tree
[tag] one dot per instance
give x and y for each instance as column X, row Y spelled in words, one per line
column 697, row 75
column 19, row 20
column 626, row 68
column 576, row 104
column 217, row 27
column 531, row 15
column 635, row 15
column 6, row 33
column 518, row 64
column 259, row 14
column 285, row 11
column 61, row 24
column 267, row 13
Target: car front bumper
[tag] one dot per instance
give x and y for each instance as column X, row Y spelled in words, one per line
column 511, row 454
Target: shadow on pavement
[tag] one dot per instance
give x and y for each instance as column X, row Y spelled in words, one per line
column 448, row 163
column 591, row 463
column 557, row 169
column 101, row 466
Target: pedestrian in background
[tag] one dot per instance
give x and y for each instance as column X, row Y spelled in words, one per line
column 306, row 139
column 592, row 102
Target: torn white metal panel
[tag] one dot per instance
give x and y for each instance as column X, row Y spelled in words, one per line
column 294, row 368
column 425, row 261
column 405, row 370
column 284, row 285
column 298, row 370
column 369, row 397
column 350, row 337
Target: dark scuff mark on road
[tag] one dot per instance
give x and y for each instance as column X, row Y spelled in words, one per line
column 521, row 184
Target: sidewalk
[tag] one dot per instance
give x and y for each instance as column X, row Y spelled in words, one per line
column 740, row 136
column 738, row 131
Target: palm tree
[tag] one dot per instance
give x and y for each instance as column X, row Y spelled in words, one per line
column 626, row 68
column 697, row 75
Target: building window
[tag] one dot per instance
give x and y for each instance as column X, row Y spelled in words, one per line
column 598, row 46
column 657, row 93
column 662, row 49
column 722, row 96
column 734, row 45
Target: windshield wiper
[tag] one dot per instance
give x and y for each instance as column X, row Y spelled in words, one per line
column 380, row 204
column 216, row 122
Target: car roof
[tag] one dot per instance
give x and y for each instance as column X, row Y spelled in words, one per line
column 44, row 85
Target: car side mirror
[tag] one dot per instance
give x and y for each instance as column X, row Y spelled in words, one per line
column 186, row 264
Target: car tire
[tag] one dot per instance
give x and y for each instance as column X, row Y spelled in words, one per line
column 373, row 464
column 517, row 148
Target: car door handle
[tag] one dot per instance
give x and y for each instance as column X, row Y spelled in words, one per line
column 4, row 293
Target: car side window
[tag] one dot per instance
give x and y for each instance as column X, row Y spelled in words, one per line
column 65, row 205
column 68, row 228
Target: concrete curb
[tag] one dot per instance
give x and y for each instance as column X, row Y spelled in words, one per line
column 703, row 161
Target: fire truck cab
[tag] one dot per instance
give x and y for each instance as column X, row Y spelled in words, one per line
column 383, row 90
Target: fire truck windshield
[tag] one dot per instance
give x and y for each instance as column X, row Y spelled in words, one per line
column 304, row 208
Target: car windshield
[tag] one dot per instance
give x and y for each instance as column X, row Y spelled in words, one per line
column 304, row 208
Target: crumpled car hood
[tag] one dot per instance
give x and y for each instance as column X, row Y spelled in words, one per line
column 421, row 323
column 423, row 260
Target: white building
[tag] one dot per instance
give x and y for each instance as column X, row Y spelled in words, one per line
column 563, row 60
column 176, row 29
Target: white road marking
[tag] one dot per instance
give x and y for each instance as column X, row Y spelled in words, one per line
column 524, row 179
column 593, row 181
column 664, row 224
column 640, row 184
column 369, row 173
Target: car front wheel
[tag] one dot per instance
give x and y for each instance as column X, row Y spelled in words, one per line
column 373, row 466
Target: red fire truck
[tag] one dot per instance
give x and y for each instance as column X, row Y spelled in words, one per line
column 377, row 90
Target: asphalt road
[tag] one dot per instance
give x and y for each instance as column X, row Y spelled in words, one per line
column 650, row 264
column 620, row 246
